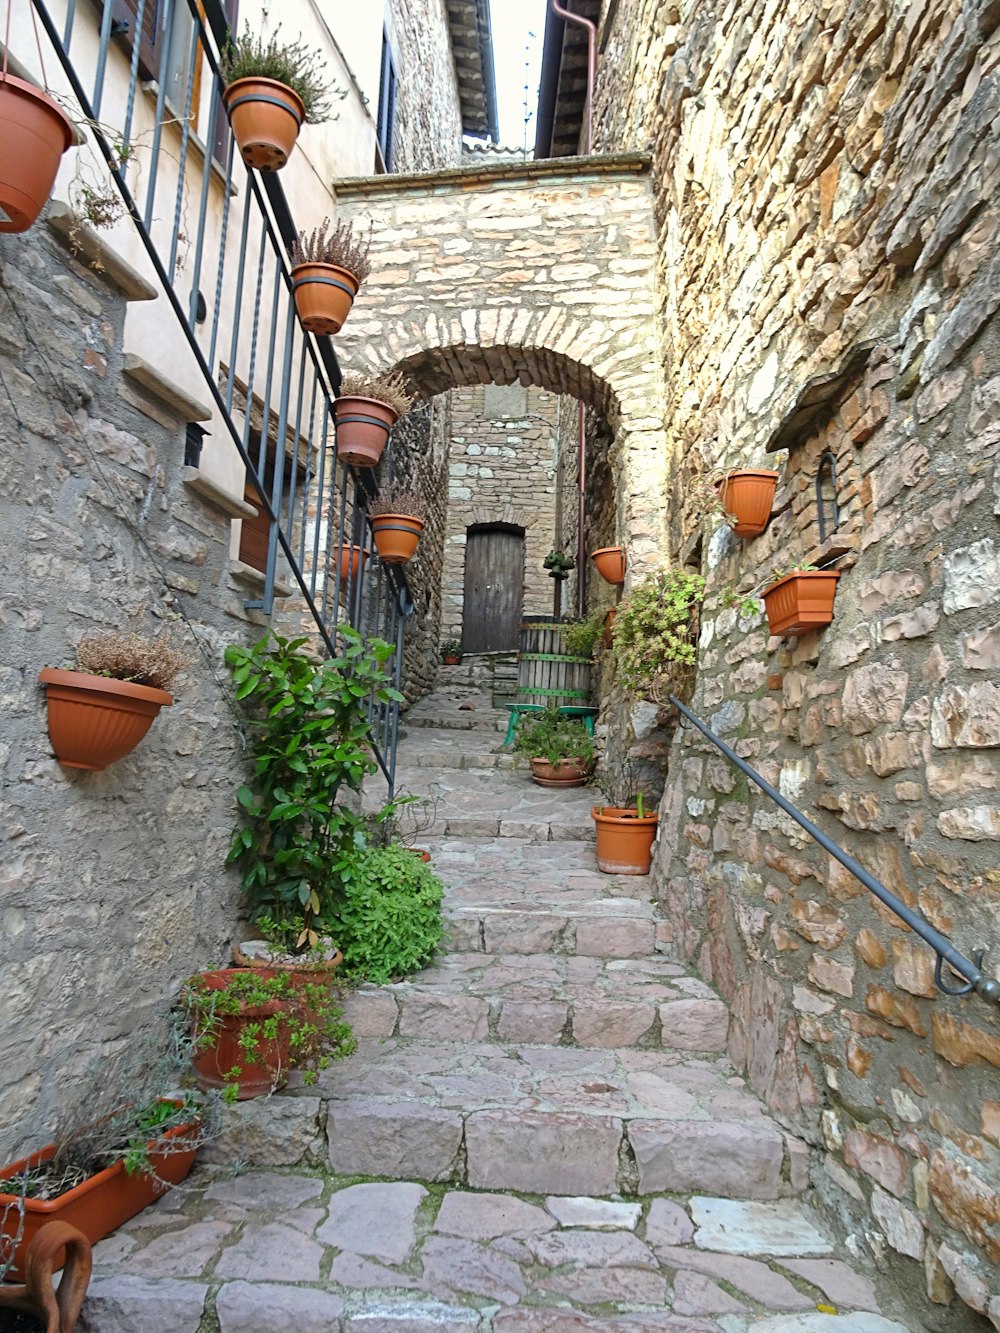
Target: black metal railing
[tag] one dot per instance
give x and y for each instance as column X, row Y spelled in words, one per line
column 970, row 969
column 218, row 235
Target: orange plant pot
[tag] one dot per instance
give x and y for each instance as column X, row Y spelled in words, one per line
column 419, row 851
column 260, row 1073
column 34, row 134
column 266, row 117
column 324, row 294
column 624, row 841
column 567, row 773
column 610, row 562
column 801, row 601
column 396, row 537
column 347, row 560
column 363, row 426
column 94, row 721
column 102, row 1203
column 608, row 633
column 747, row 496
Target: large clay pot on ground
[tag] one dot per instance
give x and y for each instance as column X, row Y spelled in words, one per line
column 610, row 562
column 324, row 294
column 567, row 773
column 363, row 426
column 624, row 840
column 265, row 1067
column 93, row 720
column 801, row 601
column 747, row 495
column 34, row 134
column 266, row 117
column 396, row 537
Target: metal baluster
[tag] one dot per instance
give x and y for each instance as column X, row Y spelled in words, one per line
column 279, row 466
column 185, row 138
column 133, row 82
column 220, row 273
column 102, row 61
column 161, row 102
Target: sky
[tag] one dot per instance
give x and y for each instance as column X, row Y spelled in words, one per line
column 513, row 22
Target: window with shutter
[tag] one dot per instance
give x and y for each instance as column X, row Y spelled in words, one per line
column 386, row 120
column 124, row 24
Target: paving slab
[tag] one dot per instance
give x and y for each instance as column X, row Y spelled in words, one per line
column 787, row 1227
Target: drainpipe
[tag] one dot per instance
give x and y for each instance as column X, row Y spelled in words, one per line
column 568, row 16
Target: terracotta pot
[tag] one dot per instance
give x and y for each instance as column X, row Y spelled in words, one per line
column 624, row 841
column 34, row 134
column 607, row 635
column 802, row 601
column 267, row 1069
column 101, row 1204
column 55, row 1245
column 396, row 537
column 567, row 773
column 363, row 426
column 324, row 294
column 94, row 721
column 266, row 117
column 347, row 560
column 418, row 851
column 610, row 562
column 452, row 661
column 747, row 495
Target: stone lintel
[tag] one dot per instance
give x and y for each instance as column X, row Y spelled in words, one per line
column 215, row 495
column 165, row 389
column 816, row 396
column 83, row 241
column 611, row 164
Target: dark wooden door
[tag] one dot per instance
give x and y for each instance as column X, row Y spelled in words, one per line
column 494, row 590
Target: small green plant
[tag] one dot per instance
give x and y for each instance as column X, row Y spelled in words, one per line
column 140, row 658
column 398, row 498
column 340, row 247
column 656, row 633
column 451, row 648
column 390, row 922
column 294, row 64
column 298, row 843
column 581, row 636
column 388, row 389
column 554, row 737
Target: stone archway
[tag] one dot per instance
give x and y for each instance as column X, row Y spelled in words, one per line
column 538, row 273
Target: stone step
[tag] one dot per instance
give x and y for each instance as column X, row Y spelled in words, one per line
column 599, row 929
column 554, row 1120
column 493, row 721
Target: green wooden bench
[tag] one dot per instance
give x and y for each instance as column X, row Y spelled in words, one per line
column 588, row 714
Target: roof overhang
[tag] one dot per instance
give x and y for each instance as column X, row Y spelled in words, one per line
column 472, row 46
column 562, row 93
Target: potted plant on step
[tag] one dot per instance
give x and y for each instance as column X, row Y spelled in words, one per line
column 451, row 652
column 557, row 747
column 34, row 134
column 610, row 562
column 625, row 832
column 368, row 407
column 656, row 633
column 328, row 268
column 397, row 517
column 272, row 89
column 799, row 600
column 102, row 710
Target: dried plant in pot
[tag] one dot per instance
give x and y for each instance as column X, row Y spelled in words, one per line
column 397, row 517
column 368, row 407
column 328, row 268
column 101, row 711
column 34, row 134
column 272, row 89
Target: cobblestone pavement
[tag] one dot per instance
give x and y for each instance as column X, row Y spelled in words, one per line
column 539, row 1134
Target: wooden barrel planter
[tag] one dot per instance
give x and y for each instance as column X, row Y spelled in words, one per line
column 546, row 673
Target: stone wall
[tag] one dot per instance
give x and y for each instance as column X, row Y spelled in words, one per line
column 428, row 116
column 826, row 180
column 113, row 888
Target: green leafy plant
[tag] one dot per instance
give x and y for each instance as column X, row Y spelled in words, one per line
column 554, row 737
column 299, row 842
column 656, row 633
column 247, row 55
column 581, row 636
column 391, row 919
column 451, row 648
column 340, row 246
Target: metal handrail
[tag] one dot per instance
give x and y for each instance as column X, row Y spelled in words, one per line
column 970, row 969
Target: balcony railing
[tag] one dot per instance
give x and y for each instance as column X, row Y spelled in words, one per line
column 145, row 75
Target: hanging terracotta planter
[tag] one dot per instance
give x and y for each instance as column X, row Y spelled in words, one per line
column 261, row 1069
column 624, row 840
column 34, row 134
column 347, row 560
column 801, row 601
column 396, row 537
column 94, row 720
column 363, row 426
column 610, row 562
column 567, row 773
column 324, row 294
column 747, row 496
column 266, row 117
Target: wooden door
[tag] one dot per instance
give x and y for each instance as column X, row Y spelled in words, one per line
column 494, row 589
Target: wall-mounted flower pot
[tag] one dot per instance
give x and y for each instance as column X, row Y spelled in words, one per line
column 265, row 1067
column 100, row 1204
column 624, row 841
column 266, row 117
column 801, row 601
column 396, row 537
column 93, row 720
column 567, row 773
column 747, row 495
column 347, row 560
column 34, row 134
column 324, row 294
column 363, row 426
column 610, row 562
